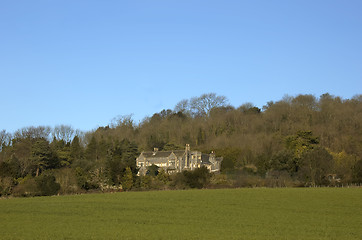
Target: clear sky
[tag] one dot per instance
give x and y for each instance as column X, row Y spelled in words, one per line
column 84, row 62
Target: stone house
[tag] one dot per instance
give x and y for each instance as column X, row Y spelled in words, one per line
column 177, row 160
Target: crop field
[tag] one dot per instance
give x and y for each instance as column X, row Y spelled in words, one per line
column 289, row 213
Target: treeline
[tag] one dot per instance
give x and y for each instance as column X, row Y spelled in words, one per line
column 297, row 141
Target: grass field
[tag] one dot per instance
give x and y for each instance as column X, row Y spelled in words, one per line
column 294, row 213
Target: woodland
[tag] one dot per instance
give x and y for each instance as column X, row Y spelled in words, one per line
column 298, row 141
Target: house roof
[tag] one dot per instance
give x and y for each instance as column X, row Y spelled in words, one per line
column 205, row 158
column 179, row 153
column 163, row 154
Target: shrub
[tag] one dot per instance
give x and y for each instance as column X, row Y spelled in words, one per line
column 357, row 172
column 26, row 187
column 220, row 181
column 47, row 185
column 278, row 179
column 6, row 185
column 246, row 180
column 67, row 179
column 197, row 178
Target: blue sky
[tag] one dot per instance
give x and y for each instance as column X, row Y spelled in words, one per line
column 82, row 63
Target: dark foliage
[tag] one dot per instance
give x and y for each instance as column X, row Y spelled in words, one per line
column 47, row 185
column 198, row 178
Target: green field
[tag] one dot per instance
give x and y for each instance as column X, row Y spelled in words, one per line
column 295, row 213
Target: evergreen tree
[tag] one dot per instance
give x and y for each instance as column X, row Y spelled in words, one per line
column 91, row 152
column 42, row 156
column 76, row 150
column 127, row 180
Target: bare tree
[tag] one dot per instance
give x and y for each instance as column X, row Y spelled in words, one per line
column 64, row 132
column 33, row 132
column 182, row 106
column 121, row 121
column 5, row 138
column 357, row 98
column 201, row 106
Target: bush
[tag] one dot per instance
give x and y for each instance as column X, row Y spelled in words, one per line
column 47, row 185
column 278, row 179
column 220, row 181
column 26, row 187
column 67, row 179
column 127, row 180
column 357, row 172
column 148, row 182
column 246, row 180
column 198, row 178
column 6, row 186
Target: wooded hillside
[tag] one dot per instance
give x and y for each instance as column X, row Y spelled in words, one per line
column 297, row 141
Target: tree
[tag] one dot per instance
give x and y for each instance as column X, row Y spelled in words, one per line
column 171, row 146
column 315, row 165
column 232, row 157
column 120, row 156
column 249, row 108
column 63, row 132
column 21, row 150
column 6, row 185
column 357, row 172
column 10, row 168
column 125, row 121
column 305, row 101
column 152, row 170
column 5, row 139
column 76, row 150
column 300, row 142
column 162, row 176
column 201, row 106
column 154, row 141
column 127, row 181
column 343, row 166
column 284, row 161
column 42, row 156
column 91, row 152
column 201, row 137
column 182, row 106
column 129, row 154
column 115, row 166
column 61, row 151
column 227, row 164
column 33, row 132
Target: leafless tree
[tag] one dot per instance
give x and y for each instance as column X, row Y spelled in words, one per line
column 182, row 106
column 33, row 132
column 5, row 138
column 64, row 132
column 201, row 106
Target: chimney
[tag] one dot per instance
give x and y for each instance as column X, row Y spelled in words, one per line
column 187, row 147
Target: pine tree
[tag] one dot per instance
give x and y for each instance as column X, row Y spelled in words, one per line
column 76, row 150
column 127, row 181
